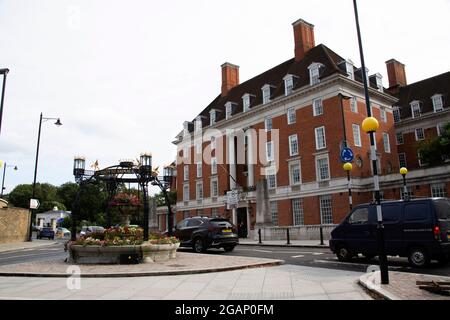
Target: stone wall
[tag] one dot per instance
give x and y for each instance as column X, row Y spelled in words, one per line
column 14, row 224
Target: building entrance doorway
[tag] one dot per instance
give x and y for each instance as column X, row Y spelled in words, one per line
column 242, row 222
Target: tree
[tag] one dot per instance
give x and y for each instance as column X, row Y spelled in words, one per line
column 435, row 150
column 20, row 196
column 50, row 205
column 67, row 193
column 161, row 201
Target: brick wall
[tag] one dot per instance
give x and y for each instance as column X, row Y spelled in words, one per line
column 14, row 224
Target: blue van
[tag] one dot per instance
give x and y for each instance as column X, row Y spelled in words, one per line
column 418, row 229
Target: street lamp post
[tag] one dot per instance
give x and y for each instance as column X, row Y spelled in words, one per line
column 4, row 72
column 348, row 167
column 4, row 173
column 41, row 119
column 404, row 172
column 370, row 125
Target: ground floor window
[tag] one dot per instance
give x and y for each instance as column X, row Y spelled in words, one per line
column 297, row 210
column 214, row 212
column 438, row 190
column 326, row 213
column 274, row 212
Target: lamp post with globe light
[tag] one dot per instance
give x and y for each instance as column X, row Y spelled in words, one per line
column 404, row 172
column 4, row 174
column 348, row 167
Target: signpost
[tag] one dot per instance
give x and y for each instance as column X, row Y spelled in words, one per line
column 34, row 204
column 347, row 155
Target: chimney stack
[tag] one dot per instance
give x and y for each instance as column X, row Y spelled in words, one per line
column 303, row 37
column 396, row 73
column 230, row 77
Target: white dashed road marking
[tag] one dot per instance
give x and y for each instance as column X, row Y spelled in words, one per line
column 299, row 256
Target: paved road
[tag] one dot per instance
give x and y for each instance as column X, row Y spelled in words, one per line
column 311, row 257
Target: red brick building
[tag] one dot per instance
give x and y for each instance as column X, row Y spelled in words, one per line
column 288, row 125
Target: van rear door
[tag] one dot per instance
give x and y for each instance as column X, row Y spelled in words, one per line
column 442, row 208
column 418, row 223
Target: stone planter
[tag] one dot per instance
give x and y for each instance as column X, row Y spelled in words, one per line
column 159, row 252
column 105, row 255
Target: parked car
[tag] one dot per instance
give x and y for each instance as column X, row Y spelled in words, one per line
column 87, row 230
column 62, row 233
column 46, row 232
column 202, row 233
column 418, row 229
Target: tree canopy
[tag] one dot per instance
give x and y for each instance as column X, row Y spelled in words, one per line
column 436, row 150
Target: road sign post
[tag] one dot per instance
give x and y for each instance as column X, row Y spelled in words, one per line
column 34, row 204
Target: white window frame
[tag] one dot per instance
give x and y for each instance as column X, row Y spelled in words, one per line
column 318, row 169
column 318, row 146
column 317, row 107
column 214, row 190
column 356, row 135
column 212, row 117
column 199, row 190
column 198, row 124
column 438, row 190
column 383, row 114
column 326, row 217
column 379, row 81
column 417, row 136
column 269, row 151
column 246, row 102
column 440, row 128
column 400, row 156
column 314, row 73
column 186, row 194
column 386, row 143
column 415, row 106
column 274, row 212
column 268, row 124
column 298, row 216
column 199, row 169
column 291, row 116
column 399, row 138
column 397, row 114
column 288, row 84
column 292, row 181
column 213, row 165
column 354, row 105
column 438, row 104
column 293, row 145
column 265, row 94
column 228, row 110
column 186, row 172
column 349, row 68
column 419, row 160
column 271, row 176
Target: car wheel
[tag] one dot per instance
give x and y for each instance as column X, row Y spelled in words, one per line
column 228, row 248
column 418, row 257
column 199, row 245
column 343, row 253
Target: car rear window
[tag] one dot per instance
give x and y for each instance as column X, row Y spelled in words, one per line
column 221, row 223
column 442, row 209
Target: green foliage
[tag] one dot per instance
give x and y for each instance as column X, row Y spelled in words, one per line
column 67, row 193
column 20, row 196
column 435, row 150
column 161, row 201
column 49, row 205
column 66, row 223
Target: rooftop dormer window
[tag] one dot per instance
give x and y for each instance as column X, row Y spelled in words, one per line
column 229, row 109
column 185, row 128
column 266, row 93
column 198, row 124
column 288, row 84
column 246, row 101
column 314, row 73
column 379, row 80
column 397, row 115
column 438, row 105
column 349, row 68
column 366, row 75
column 415, row 109
column 212, row 117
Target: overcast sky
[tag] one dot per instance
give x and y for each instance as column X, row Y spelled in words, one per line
column 124, row 75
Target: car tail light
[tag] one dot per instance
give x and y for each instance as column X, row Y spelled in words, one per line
column 437, row 233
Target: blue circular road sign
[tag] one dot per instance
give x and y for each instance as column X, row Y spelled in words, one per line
column 347, row 155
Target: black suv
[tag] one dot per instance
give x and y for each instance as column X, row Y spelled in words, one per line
column 202, row 233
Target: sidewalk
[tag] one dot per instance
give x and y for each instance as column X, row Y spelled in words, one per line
column 280, row 282
column 402, row 286
column 14, row 246
column 293, row 243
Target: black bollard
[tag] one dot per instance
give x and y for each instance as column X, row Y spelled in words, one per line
column 259, row 235
column 287, row 236
column 321, row 236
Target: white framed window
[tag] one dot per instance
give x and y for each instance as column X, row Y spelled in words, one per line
column 323, row 168
column 293, row 145
column 198, row 148
column 297, row 212
column 295, row 176
column 271, row 178
column 186, row 172
column 379, row 79
column 246, row 102
column 440, row 128
column 186, row 192
column 326, row 211
column 415, row 109
column 213, row 142
column 199, row 188
column 228, row 110
column 214, row 212
column 383, row 114
column 214, row 188
column 397, row 115
column 356, row 135
column 274, row 212
column 212, row 117
column 268, row 124
column 354, row 105
column 399, row 138
column 288, row 84
column 266, row 94
column 349, row 68
column 213, row 165
column 386, row 143
column 402, row 160
column 314, row 73
column 198, row 124
column 438, row 190
column 438, row 105
column 199, row 169
column 269, row 151
column 291, row 116
column 420, row 134
column 317, row 107
column 420, row 161
column 321, row 142
column 186, row 153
